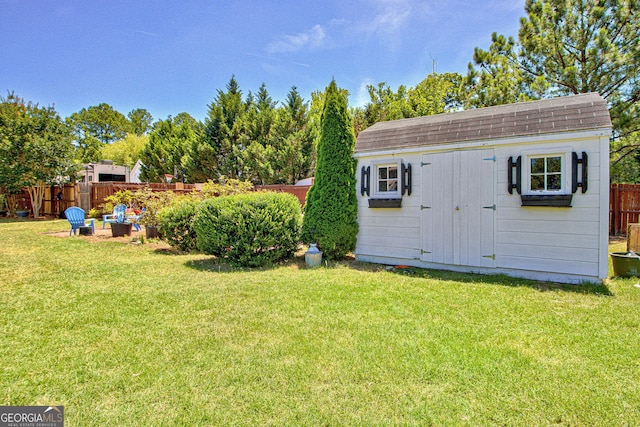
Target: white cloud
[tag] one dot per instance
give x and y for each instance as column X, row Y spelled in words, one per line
column 384, row 20
column 288, row 43
column 507, row 5
column 146, row 33
column 391, row 16
column 362, row 97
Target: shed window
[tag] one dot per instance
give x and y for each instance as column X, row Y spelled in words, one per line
column 547, row 178
column 387, row 179
column 385, row 182
column 546, row 173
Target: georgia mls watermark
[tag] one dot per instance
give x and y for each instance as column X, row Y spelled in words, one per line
column 31, row 416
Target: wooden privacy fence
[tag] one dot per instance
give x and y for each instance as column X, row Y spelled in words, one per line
column 56, row 199
column 624, row 207
column 92, row 195
column 101, row 190
column 624, row 199
column 300, row 191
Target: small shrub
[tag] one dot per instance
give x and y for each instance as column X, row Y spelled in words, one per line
column 175, row 224
column 95, row 213
column 226, row 187
column 250, row 230
column 122, row 196
column 153, row 202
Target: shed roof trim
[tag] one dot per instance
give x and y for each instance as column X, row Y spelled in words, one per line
column 564, row 114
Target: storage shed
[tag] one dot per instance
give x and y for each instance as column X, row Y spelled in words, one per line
column 519, row 189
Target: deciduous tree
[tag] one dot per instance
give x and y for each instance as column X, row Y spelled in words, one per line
column 35, row 149
column 140, row 121
column 95, row 126
column 436, row 93
column 126, row 151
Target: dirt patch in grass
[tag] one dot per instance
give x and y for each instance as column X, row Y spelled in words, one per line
column 617, row 239
column 104, row 235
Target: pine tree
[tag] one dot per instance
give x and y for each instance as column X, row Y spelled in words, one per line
column 224, row 138
column 569, row 47
column 293, row 154
column 168, row 144
column 566, row 47
column 331, row 207
column 257, row 129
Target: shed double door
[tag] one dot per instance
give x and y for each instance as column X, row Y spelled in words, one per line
column 458, row 208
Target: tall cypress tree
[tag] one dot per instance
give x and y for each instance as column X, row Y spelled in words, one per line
column 168, row 143
column 219, row 150
column 330, row 217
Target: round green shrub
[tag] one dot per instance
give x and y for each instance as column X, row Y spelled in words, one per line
column 175, row 224
column 249, row 230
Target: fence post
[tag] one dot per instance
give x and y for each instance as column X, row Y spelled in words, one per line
column 615, row 209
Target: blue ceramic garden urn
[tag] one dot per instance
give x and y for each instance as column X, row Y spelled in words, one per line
column 313, row 256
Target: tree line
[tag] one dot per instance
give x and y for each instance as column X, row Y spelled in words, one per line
column 252, row 138
column 563, row 47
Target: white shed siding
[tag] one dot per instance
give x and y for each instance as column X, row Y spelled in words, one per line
column 562, row 240
column 393, row 233
column 447, row 222
column 547, row 243
column 603, row 190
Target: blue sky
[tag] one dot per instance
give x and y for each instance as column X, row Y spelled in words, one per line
column 172, row 56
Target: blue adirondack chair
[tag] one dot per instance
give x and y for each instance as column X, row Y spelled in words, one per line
column 117, row 215
column 136, row 219
column 75, row 216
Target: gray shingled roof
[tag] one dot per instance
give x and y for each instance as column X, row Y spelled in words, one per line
column 565, row 114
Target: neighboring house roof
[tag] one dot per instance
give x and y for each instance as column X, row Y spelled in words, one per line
column 306, row 181
column 570, row 113
column 134, row 175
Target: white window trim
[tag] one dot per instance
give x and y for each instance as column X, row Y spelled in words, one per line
column 564, row 153
column 375, row 194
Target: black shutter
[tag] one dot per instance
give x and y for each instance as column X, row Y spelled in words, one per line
column 365, row 178
column 406, row 179
column 517, row 165
column 584, row 161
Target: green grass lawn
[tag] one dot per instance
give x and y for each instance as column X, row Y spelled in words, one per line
column 134, row 335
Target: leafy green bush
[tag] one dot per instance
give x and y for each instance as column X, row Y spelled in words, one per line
column 95, row 213
column 122, row 196
column 175, row 224
column 152, row 202
column 250, row 230
column 226, row 187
